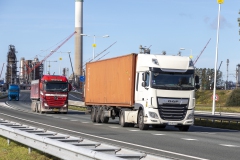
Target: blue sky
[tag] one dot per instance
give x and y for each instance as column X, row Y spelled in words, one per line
column 165, row 25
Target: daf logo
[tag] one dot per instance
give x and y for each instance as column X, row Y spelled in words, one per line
column 172, row 101
column 55, row 97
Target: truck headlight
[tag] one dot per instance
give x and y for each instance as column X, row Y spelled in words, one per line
column 45, row 104
column 153, row 115
column 190, row 116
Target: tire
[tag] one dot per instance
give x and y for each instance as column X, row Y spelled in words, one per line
column 93, row 114
column 98, row 114
column 102, row 118
column 183, row 128
column 40, row 109
column 122, row 120
column 141, row 124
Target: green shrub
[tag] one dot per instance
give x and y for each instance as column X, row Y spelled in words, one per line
column 234, row 98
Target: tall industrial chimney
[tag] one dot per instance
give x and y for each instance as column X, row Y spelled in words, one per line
column 78, row 58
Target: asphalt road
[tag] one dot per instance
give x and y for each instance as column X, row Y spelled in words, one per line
column 197, row 143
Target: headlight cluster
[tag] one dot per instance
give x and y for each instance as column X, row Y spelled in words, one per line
column 190, row 116
column 153, row 115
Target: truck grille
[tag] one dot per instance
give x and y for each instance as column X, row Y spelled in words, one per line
column 55, row 101
column 172, row 109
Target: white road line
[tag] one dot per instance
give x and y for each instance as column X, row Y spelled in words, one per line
column 141, row 146
column 134, row 130
column 73, row 120
column 189, row 139
column 97, row 124
column 113, row 127
column 229, row 145
column 158, row 134
column 64, row 118
column 85, row 122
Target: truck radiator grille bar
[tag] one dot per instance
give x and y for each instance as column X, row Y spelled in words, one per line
column 55, row 101
column 172, row 112
column 172, row 109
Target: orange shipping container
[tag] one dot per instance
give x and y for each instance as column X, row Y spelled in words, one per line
column 111, row 82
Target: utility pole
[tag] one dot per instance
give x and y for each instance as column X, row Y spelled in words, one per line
column 239, row 22
column 227, row 72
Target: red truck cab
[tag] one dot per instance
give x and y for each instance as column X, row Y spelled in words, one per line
column 50, row 94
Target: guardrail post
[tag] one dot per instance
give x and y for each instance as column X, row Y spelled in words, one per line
column 8, row 141
column 29, row 150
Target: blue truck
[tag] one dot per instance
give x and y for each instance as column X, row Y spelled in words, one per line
column 13, row 92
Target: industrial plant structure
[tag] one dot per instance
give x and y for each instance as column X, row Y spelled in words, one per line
column 11, row 67
column 30, row 70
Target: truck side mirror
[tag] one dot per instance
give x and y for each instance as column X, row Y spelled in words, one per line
column 69, row 87
column 197, row 86
column 196, row 79
column 144, row 84
column 144, row 76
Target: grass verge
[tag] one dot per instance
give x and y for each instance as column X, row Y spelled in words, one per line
column 77, row 108
column 17, row 151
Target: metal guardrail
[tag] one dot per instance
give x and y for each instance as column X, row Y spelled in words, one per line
column 67, row 147
column 3, row 95
column 218, row 117
column 76, row 103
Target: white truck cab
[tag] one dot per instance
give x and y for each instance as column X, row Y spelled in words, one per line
column 164, row 92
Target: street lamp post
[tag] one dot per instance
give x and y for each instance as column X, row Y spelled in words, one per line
column 94, row 45
column 49, row 66
column 187, row 49
column 216, row 57
column 60, row 59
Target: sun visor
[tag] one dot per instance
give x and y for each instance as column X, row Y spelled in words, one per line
column 173, row 63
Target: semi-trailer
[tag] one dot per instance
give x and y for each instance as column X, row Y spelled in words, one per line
column 142, row 90
column 50, row 94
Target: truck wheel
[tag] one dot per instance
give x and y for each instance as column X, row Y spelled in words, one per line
column 102, row 118
column 98, row 114
column 183, row 128
column 141, row 124
column 93, row 114
column 122, row 120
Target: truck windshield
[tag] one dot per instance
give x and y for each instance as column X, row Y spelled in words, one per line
column 13, row 90
column 56, row 86
column 172, row 80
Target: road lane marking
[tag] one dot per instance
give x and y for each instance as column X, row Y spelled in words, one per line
column 158, row 134
column 134, row 130
column 140, row 146
column 113, row 127
column 73, row 120
column 229, row 145
column 189, row 139
column 85, row 122
column 64, row 118
column 97, row 124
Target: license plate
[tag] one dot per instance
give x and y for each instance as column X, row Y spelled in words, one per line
column 172, row 123
column 55, row 110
